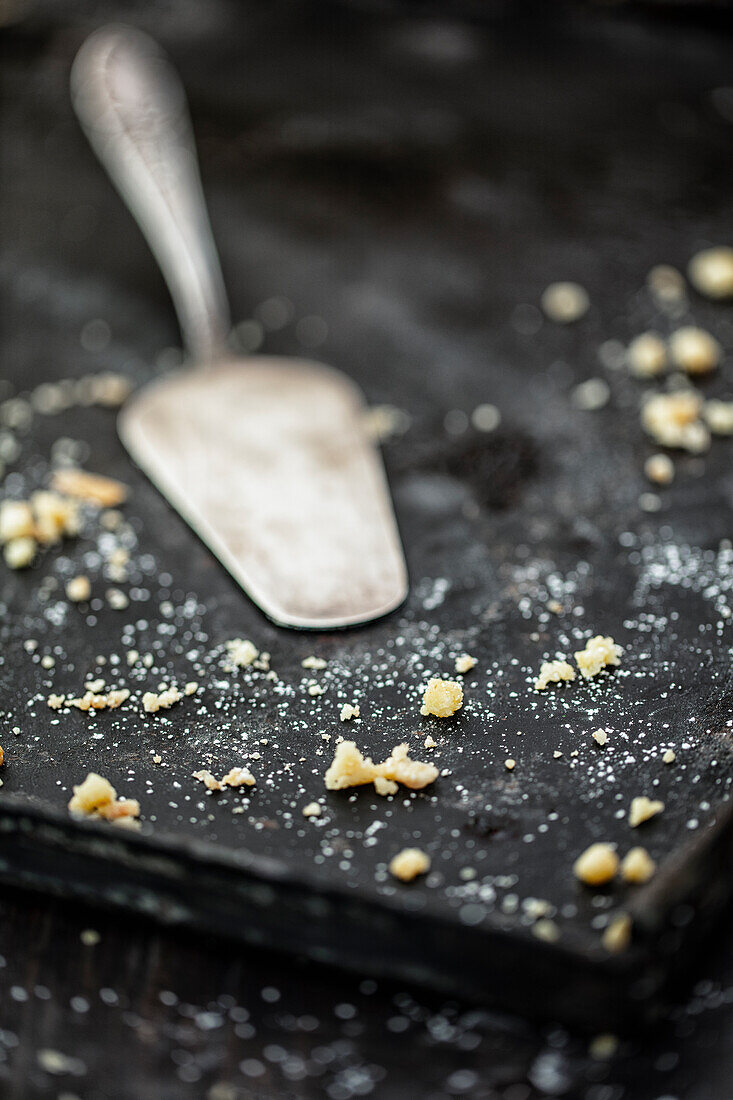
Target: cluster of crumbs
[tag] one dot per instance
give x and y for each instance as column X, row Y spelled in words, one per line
column 97, row 798
column 442, row 698
column 350, row 768
column 235, row 777
column 409, row 863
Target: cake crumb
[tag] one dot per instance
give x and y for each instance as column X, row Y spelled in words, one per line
column 465, row 663
column 711, row 272
column 350, row 769
column 430, row 742
column 637, row 866
column 674, row 420
column 311, row 810
column 646, row 355
column 79, row 589
column 91, row 700
column 235, row 777
column 669, row 756
column 694, row 350
column 20, row 552
column 409, row 863
column 546, row 929
column 510, row 764
column 442, row 698
column 349, row 711
column 554, row 672
column 718, row 416
column 600, row 737
column 617, row 936
column 96, row 797
column 599, row 652
column 642, row 809
column 564, row 302
column 597, row 865
column 105, row 492
column 659, row 468
column 313, row 662
column 154, row 701
column 241, row 653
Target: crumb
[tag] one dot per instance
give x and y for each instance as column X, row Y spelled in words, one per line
column 555, row 607
column 92, row 488
column 643, row 808
column 637, row 866
column 556, row 754
column 117, row 599
column 617, row 935
column 711, row 272
column 19, row 553
column 694, row 350
column 564, row 302
column 311, row 810
column 597, row 865
column 465, row 663
column 384, row 786
column 313, row 662
column 600, row 737
column 348, row 711
column 669, row 757
column 96, row 797
column 315, row 689
column 79, row 589
column 236, row 777
column 442, row 698
column 55, row 702
column 718, row 416
column 54, row 517
column 660, row 469
column 91, row 700
column 673, row 419
column 429, row 742
column 240, row 654
column 191, row 687
column 409, row 863
column 94, row 685
column 597, row 654
column 486, row 418
column 646, row 355
column 16, row 520
column 153, row 702
column 546, row 929
column 350, row 769
column 553, row 672
column 510, row 764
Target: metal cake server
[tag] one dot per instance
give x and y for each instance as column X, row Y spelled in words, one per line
column 266, row 458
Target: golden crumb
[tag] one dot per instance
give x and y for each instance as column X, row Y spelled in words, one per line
column 55, row 517
column 564, row 302
column 599, row 652
column 19, row 553
column 385, row 787
column 55, row 702
column 241, row 653
column 643, row 808
column 16, row 520
column 711, row 272
column 348, row 711
column 154, row 701
column 674, row 420
column 78, row 589
column 669, row 756
column 465, row 663
column 313, row 662
column 311, row 810
column 91, row 700
column 659, row 469
column 600, row 737
column 637, row 866
column 235, row 777
column 554, row 672
column 350, row 769
column 409, row 863
column 718, row 416
column 597, row 865
column 617, row 935
column 442, row 698
column 546, row 929
column 105, row 492
column 430, row 742
column 646, row 355
column 510, row 764
column 694, row 350
column 96, row 797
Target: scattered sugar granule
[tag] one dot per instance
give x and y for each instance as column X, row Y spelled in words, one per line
column 673, row 419
column 442, row 698
column 79, row 589
column 241, row 653
column 153, row 701
column 313, row 662
column 553, row 672
column 564, row 302
column 659, row 469
column 711, row 272
column 465, row 663
column 350, row 769
column 311, row 810
column 646, row 355
column 617, row 935
column 718, row 416
column 236, row 777
column 96, row 797
column 105, row 492
column 600, row 737
column 591, row 395
column 637, row 866
column 596, row 865
column 642, row 808
column 409, row 863
column 349, row 711
column 510, row 764
column 694, row 350
column 669, row 757
column 597, row 654
column 19, row 553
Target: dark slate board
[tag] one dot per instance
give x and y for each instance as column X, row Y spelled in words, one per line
column 415, row 185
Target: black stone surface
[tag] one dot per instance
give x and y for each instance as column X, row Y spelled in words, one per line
column 412, row 181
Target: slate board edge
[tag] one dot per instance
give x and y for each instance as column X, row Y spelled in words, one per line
column 257, row 901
